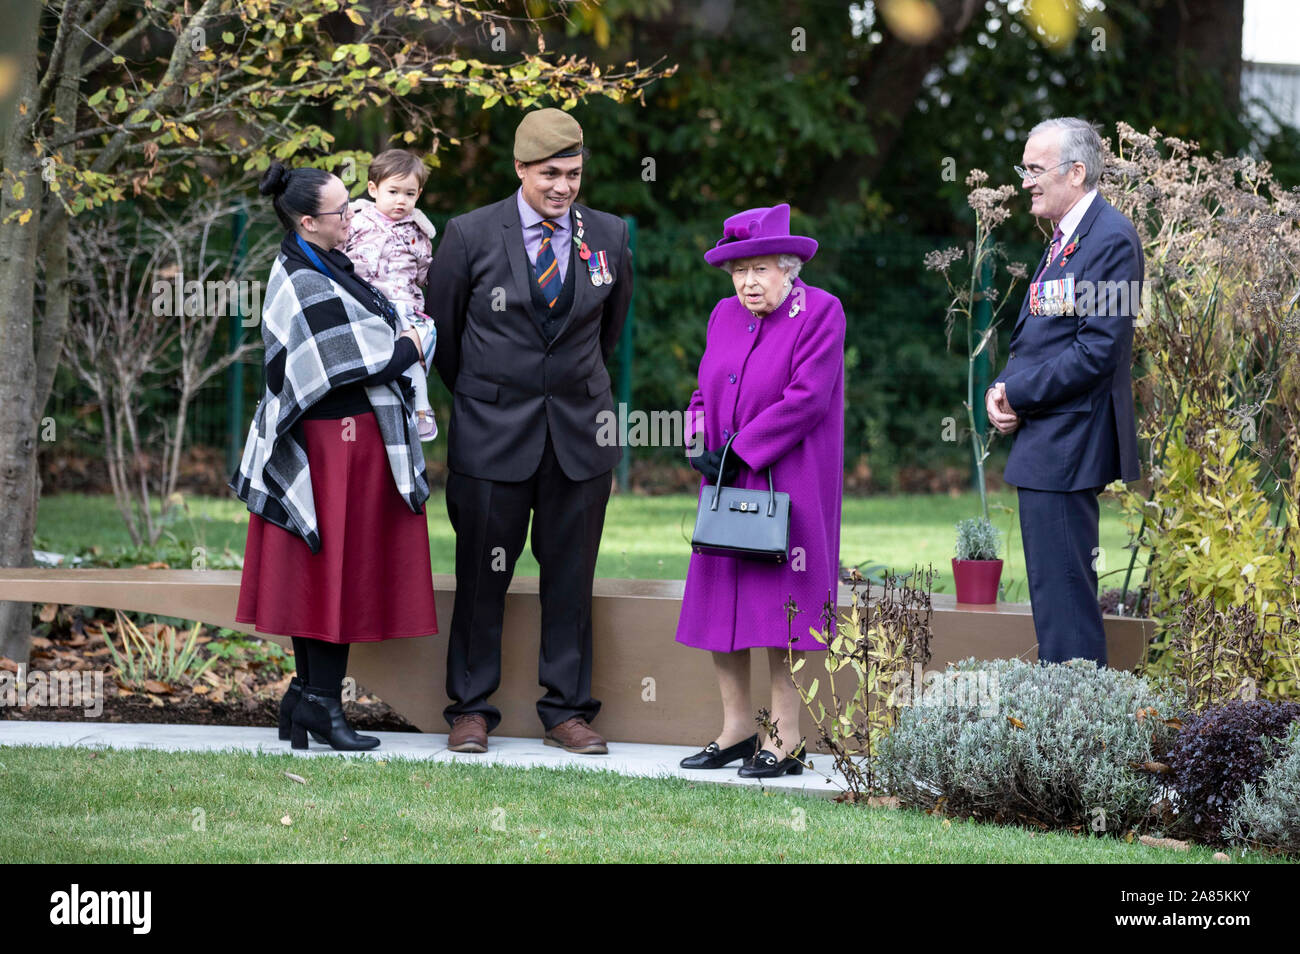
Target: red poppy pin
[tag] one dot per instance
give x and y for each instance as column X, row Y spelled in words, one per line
column 1069, row 250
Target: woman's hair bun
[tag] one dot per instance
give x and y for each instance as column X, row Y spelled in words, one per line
column 275, row 181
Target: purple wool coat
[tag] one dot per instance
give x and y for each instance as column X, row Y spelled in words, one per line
column 778, row 383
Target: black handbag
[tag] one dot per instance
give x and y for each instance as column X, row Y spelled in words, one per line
column 743, row 523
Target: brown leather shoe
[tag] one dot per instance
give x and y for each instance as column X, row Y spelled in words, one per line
column 468, row 734
column 576, row 736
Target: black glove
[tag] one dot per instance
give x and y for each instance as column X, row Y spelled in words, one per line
column 707, row 464
column 734, row 463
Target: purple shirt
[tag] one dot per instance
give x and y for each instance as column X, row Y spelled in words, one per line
column 531, row 220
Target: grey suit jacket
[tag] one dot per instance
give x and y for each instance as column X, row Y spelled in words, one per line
column 509, row 385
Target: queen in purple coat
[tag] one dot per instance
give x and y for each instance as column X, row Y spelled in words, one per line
column 772, row 375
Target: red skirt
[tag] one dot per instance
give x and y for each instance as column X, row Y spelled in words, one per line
column 372, row 578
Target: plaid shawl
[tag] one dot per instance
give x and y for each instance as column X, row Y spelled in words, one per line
column 318, row 336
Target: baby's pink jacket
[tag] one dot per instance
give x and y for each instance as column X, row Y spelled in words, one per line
column 392, row 256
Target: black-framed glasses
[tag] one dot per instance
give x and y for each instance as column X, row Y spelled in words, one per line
column 1034, row 176
column 340, row 212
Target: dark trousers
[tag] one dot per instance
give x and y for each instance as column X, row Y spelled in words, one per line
column 491, row 520
column 1059, row 532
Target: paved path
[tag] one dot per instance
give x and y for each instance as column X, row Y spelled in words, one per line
column 626, row 758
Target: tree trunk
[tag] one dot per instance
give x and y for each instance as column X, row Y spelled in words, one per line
column 1205, row 36
column 21, row 199
column 889, row 81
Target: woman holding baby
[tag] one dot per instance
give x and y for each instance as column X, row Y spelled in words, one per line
column 333, row 471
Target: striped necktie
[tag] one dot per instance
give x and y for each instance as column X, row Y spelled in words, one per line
column 1051, row 252
column 548, row 270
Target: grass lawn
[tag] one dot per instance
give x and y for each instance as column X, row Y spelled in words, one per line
column 645, row 537
column 79, row 805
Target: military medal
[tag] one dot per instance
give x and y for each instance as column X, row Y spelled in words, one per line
column 605, row 273
column 593, row 269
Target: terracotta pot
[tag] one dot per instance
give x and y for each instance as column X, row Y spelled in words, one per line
column 977, row 580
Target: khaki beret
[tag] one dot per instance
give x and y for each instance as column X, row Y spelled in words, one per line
column 544, row 133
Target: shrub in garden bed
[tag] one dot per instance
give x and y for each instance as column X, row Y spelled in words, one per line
column 1267, row 815
column 1066, row 745
column 1218, row 753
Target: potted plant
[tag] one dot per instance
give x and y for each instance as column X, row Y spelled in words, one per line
column 976, row 568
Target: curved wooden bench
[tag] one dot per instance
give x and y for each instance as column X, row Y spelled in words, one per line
column 652, row 689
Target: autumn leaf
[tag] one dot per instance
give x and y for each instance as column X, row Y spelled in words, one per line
column 1015, row 722
column 48, row 612
column 153, row 685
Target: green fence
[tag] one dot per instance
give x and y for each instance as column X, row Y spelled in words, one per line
column 901, row 381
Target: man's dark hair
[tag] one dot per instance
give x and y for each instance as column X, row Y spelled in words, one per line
column 586, row 154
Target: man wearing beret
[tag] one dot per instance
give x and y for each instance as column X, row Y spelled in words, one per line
column 529, row 296
column 1066, row 390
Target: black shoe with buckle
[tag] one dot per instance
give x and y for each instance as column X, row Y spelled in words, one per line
column 712, row 757
column 767, row 764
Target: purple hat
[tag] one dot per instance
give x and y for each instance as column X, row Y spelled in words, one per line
column 760, row 232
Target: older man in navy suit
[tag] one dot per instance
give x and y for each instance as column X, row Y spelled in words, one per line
column 1066, row 391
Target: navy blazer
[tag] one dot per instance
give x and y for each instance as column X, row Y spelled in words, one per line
column 1068, row 376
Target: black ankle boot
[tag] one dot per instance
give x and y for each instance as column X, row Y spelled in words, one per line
column 287, row 704
column 319, row 712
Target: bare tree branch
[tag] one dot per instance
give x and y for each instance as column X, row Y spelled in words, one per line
column 71, row 13
column 116, row 46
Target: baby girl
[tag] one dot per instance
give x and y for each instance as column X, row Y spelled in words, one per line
column 390, row 243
